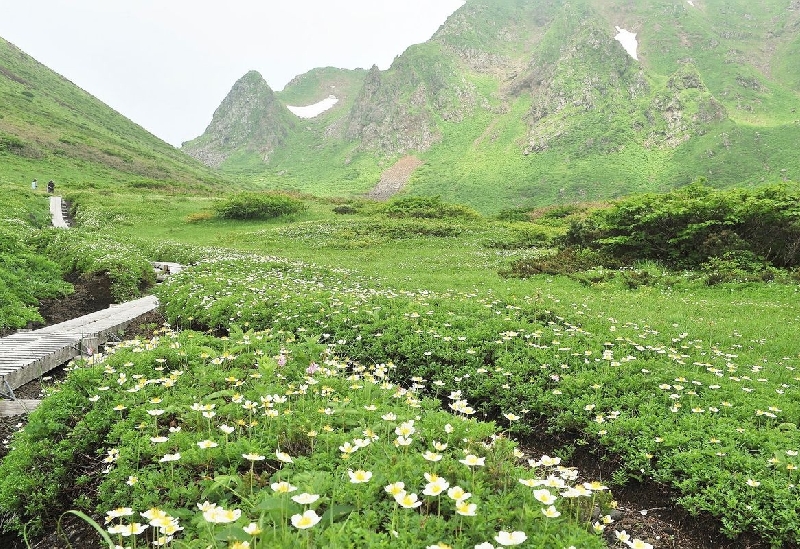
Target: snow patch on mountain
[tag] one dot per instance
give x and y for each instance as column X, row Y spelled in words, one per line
column 310, row 111
column 628, row 41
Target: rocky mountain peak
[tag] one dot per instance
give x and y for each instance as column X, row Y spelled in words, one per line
column 250, row 117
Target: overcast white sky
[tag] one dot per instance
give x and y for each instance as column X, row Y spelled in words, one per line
column 168, row 64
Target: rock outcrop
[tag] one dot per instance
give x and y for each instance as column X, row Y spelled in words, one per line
column 250, row 118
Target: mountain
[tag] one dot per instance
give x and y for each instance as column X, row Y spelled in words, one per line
column 51, row 129
column 250, row 118
column 527, row 102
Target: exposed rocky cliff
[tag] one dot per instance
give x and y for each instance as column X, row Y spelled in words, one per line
column 250, row 118
column 382, row 120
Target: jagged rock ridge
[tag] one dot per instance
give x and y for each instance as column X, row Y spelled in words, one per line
column 543, row 88
column 249, row 118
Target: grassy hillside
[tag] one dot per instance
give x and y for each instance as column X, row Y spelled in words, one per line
column 312, row 86
column 51, row 129
column 602, row 125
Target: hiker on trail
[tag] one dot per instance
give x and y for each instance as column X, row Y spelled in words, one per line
column 51, row 187
column 33, row 185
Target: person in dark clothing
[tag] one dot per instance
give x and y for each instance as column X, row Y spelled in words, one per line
column 51, row 187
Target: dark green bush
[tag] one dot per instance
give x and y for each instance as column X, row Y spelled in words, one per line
column 686, row 228
column 344, row 209
column 515, row 214
column 428, row 208
column 565, row 262
column 259, row 206
column 559, row 212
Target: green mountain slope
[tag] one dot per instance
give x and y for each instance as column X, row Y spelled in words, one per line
column 51, row 129
column 523, row 102
column 317, row 84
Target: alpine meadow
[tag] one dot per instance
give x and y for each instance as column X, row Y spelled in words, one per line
column 534, row 285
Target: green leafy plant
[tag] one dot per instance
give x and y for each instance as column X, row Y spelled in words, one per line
column 427, row 207
column 688, row 227
column 259, row 206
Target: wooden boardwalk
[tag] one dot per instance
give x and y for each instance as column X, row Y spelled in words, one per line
column 25, row 356
column 57, row 212
column 164, row 268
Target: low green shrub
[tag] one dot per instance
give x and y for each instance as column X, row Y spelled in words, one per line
column 345, row 209
column 86, row 252
column 359, row 233
column 11, row 144
column 252, row 205
column 26, row 275
column 566, row 261
column 686, row 228
column 59, row 437
column 514, row 236
column 514, row 214
column 738, row 267
column 427, row 207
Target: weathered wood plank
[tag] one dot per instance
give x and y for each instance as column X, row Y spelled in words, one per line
column 28, row 355
column 17, row 407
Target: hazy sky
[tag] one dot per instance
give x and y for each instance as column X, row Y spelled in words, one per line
column 168, row 64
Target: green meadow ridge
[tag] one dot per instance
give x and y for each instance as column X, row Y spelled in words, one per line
column 537, row 103
column 51, row 129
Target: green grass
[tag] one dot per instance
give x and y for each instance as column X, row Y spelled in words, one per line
column 51, row 129
column 26, row 276
column 406, row 291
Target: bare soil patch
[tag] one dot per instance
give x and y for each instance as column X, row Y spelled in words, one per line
column 645, row 510
column 92, row 293
column 395, row 178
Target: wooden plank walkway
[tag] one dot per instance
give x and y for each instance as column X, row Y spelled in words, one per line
column 164, row 268
column 25, row 356
column 57, row 213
